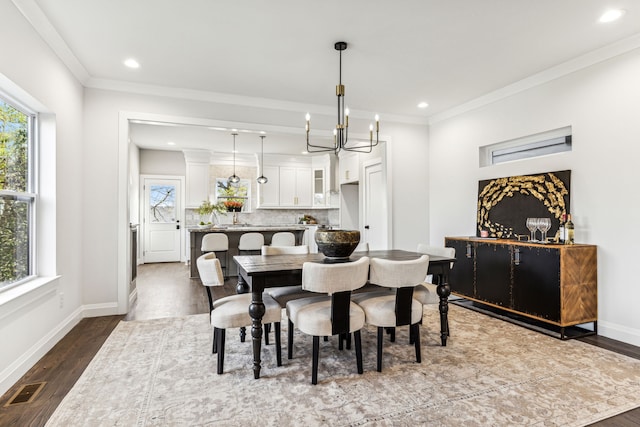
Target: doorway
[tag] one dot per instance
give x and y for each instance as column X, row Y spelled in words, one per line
column 374, row 213
column 161, row 219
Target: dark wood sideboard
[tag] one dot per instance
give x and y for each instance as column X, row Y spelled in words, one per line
column 555, row 286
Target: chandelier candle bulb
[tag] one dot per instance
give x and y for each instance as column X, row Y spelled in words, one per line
column 370, row 132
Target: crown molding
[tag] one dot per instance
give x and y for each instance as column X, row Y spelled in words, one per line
column 239, row 100
column 581, row 62
column 34, row 15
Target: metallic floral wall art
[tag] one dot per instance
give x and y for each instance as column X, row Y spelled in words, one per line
column 504, row 204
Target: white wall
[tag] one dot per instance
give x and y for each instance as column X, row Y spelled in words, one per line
column 161, row 162
column 601, row 103
column 408, row 157
column 32, row 323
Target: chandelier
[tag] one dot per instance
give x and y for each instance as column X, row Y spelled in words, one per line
column 234, row 180
column 341, row 131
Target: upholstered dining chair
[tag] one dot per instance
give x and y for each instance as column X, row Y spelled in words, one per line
column 250, row 243
column 332, row 313
column 218, row 243
column 426, row 292
column 284, row 294
column 233, row 311
column 283, row 238
column 385, row 310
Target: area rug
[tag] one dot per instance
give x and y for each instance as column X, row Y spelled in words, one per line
column 491, row 373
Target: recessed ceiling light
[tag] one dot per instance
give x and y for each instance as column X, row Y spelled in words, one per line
column 132, row 63
column 612, row 15
column 171, row 143
column 423, row 105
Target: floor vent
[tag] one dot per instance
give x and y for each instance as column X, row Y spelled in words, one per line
column 26, row 394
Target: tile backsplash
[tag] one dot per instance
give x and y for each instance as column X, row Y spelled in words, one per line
column 272, row 216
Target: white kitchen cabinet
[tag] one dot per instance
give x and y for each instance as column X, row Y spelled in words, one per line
column 295, row 187
column 349, row 168
column 197, row 184
column 270, row 192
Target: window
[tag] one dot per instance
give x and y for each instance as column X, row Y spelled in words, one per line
column 17, row 194
column 540, row 144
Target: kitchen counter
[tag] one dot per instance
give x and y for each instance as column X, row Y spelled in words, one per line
column 234, row 232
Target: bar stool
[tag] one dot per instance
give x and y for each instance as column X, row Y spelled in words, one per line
column 218, row 243
column 283, row 238
column 251, row 244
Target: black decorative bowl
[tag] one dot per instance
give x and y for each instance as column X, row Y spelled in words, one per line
column 337, row 244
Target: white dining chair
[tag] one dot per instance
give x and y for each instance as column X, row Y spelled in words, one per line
column 384, row 310
column 426, row 292
column 233, row 311
column 284, row 294
column 331, row 313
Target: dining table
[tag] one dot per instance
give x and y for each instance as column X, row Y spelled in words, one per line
column 257, row 272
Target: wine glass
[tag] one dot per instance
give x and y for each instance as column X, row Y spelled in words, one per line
column 544, row 224
column 532, row 225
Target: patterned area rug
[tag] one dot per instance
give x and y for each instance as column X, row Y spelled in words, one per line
column 162, row 373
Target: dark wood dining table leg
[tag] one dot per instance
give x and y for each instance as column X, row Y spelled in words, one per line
column 242, row 288
column 444, row 291
column 256, row 311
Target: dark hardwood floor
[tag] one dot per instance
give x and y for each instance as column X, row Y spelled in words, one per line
column 164, row 290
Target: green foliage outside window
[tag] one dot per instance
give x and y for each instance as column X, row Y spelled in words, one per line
column 14, row 206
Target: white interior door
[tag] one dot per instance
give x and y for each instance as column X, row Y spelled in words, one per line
column 162, row 213
column 375, row 206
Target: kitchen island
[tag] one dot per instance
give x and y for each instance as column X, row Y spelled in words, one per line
column 234, row 232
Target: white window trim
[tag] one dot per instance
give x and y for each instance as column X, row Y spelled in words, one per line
column 44, row 267
column 526, row 147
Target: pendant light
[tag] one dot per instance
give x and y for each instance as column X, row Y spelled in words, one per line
column 262, row 179
column 234, row 180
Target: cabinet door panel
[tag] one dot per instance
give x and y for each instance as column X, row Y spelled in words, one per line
column 197, row 184
column 287, row 186
column 493, row 273
column 461, row 279
column 303, row 187
column 536, row 281
column 270, row 192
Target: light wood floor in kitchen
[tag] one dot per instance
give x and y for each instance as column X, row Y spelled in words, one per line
column 164, row 290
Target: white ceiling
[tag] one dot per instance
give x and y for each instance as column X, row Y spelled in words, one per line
column 446, row 53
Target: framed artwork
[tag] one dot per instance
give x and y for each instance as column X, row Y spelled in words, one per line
column 504, row 204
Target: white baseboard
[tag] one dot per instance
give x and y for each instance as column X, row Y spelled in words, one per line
column 12, row 373
column 133, row 296
column 619, row 332
column 97, row 310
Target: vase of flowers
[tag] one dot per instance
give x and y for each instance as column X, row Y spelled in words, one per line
column 209, row 212
column 233, row 205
